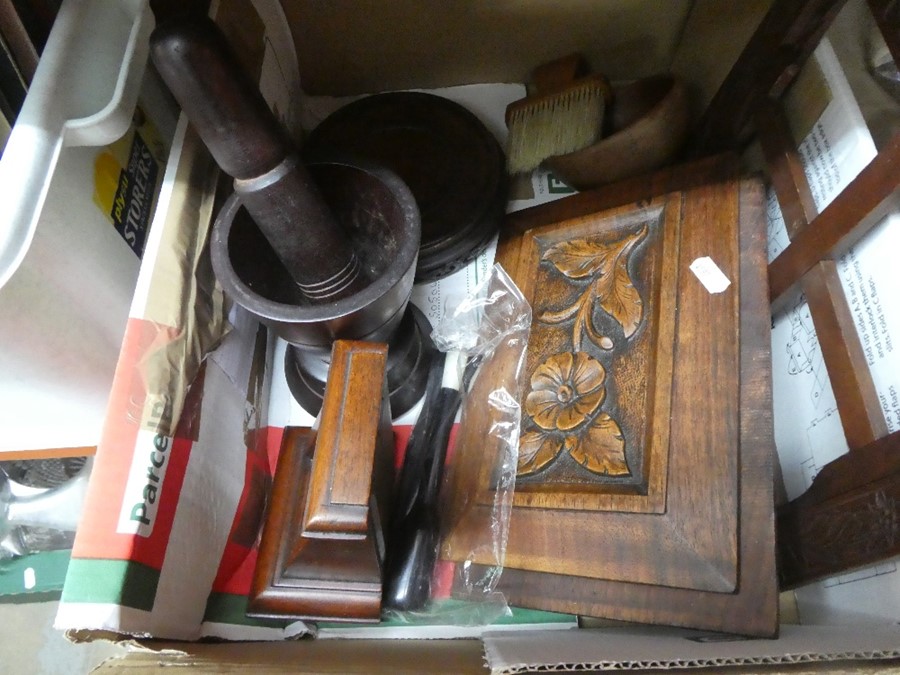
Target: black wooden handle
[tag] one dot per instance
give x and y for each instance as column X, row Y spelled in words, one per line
column 415, row 529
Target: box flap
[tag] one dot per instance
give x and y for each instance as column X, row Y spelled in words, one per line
column 634, row 648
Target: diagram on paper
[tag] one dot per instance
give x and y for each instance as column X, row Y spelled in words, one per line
column 804, row 355
column 808, row 431
column 776, row 233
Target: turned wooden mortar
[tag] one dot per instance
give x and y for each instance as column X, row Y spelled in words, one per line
column 319, row 253
column 378, row 213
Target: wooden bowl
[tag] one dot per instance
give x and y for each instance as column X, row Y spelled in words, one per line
column 649, row 125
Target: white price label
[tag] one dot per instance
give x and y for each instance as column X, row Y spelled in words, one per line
column 709, row 274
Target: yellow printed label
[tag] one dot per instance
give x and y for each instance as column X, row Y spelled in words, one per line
column 127, row 180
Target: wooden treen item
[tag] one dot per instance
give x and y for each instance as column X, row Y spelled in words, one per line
column 849, row 516
column 646, row 451
column 322, row 550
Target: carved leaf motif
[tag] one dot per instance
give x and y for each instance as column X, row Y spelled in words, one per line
column 580, row 258
column 601, row 448
column 618, row 296
column 536, row 450
column 565, row 313
column 607, row 264
column 615, row 290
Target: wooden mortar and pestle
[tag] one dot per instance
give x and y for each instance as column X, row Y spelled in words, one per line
column 318, row 252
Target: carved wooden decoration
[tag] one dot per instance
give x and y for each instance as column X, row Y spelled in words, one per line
column 849, row 517
column 567, row 390
column 599, row 310
column 322, row 548
column 633, row 493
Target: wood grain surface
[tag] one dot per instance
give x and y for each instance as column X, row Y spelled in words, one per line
column 751, row 608
column 323, row 544
column 588, row 528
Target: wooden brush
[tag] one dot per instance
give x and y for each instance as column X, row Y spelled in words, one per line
column 562, row 113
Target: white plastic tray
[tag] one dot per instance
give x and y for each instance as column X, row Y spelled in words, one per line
column 66, row 276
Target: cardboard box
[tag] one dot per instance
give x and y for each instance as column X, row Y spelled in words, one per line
column 166, row 545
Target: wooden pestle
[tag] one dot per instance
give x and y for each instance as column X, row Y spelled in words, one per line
column 250, row 145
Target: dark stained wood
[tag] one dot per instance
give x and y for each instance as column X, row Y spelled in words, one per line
column 646, row 124
column 450, row 161
column 601, row 308
column 842, row 350
column 752, row 608
column 164, row 10
column 887, row 17
column 842, row 475
column 863, row 204
column 785, row 38
column 634, row 190
column 322, row 548
column 617, row 558
column 341, row 476
column 611, row 450
column 848, row 517
column 225, row 106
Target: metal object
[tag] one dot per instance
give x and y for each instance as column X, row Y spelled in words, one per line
column 57, row 508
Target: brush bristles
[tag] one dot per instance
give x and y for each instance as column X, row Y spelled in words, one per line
column 554, row 126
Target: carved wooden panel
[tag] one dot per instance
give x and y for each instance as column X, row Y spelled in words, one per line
column 632, row 493
column 322, row 549
column 589, row 402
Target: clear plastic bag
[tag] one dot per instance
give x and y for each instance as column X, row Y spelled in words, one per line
column 484, row 338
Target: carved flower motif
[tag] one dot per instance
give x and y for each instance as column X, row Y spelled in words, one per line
column 565, row 390
column 566, row 393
